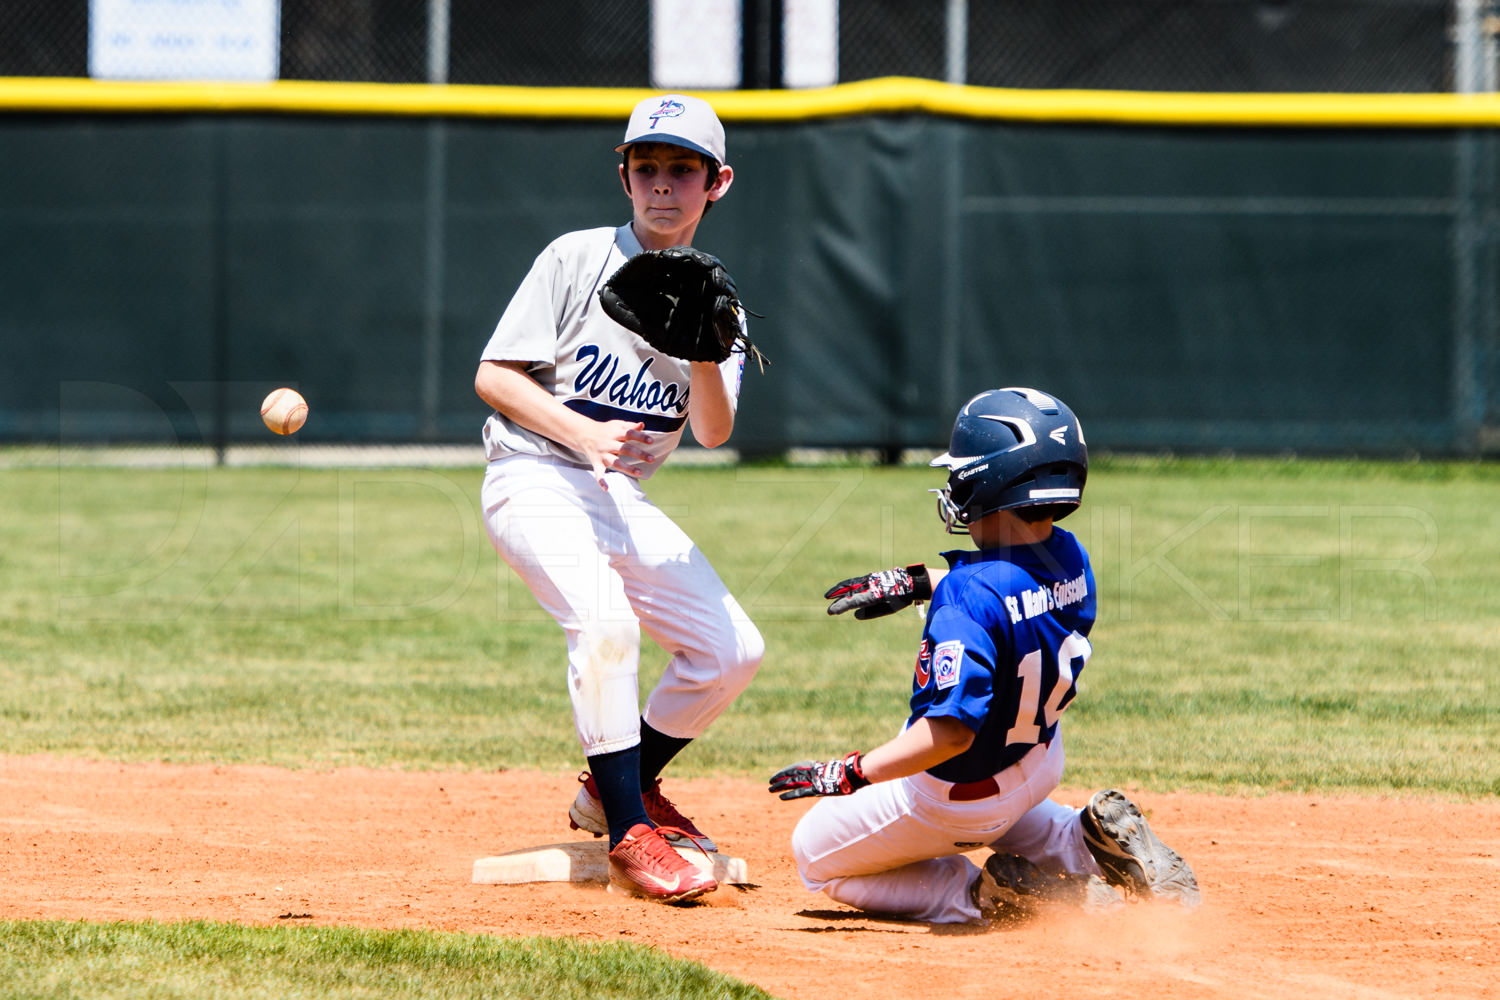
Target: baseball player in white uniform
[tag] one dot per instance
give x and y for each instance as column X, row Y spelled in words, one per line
column 585, row 412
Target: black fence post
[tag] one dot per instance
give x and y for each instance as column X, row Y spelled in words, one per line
column 761, row 44
column 219, row 226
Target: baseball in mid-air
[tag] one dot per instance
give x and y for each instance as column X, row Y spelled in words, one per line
column 284, row 411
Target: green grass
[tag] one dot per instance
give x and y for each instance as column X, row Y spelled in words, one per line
column 1265, row 625
column 55, row 960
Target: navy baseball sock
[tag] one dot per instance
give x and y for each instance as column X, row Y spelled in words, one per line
column 618, row 777
column 657, row 751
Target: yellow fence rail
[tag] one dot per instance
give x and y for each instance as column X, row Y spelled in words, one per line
column 886, row 96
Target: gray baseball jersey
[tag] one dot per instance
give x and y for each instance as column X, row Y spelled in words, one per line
column 585, row 359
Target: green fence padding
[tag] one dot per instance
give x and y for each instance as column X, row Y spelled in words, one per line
column 1249, row 287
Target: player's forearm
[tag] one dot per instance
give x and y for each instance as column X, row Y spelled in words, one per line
column 519, row 399
column 710, row 411
column 925, row 743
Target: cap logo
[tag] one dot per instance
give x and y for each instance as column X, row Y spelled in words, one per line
column 1059, row 434
column 669, row 109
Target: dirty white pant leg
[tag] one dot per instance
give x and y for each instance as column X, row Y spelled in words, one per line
column 713, row 648
column 558, row 530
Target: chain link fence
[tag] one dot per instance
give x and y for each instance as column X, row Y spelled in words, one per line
column 1207, row 45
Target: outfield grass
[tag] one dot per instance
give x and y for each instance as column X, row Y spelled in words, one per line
column 1264, row 624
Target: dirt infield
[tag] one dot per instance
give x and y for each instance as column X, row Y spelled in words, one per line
column 1316, row 896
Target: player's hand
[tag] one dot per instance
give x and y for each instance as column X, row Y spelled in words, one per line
column 841, row 776
column 880, row 594
column 613, row 445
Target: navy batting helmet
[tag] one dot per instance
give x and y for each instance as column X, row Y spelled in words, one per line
column 1012, row 448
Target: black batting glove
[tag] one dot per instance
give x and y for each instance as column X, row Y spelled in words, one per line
column 841, row 776
column 880, row 594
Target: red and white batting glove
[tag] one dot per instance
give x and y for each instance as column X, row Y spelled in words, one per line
column 880, row 594
column 841, row 776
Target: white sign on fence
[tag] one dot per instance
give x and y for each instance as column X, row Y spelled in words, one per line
column 184, row 39
column 695, row 44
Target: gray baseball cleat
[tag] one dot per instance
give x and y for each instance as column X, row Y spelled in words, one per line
column 1010, row 889
column 1133, row 857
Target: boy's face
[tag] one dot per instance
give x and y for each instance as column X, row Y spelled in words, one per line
column 670, row 187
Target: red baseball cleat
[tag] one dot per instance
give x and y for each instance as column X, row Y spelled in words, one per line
column 645, row 864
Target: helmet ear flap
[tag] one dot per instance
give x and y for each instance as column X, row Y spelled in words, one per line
column 960, row 495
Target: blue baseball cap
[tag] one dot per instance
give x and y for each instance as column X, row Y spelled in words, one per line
column 676, row 120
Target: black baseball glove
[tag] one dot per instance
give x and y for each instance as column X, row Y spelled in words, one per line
column 682, row 302
column 882, row 593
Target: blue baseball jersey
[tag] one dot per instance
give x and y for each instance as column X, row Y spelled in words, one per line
column 1005, row 640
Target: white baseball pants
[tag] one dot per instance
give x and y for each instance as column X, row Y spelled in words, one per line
column 607, row 565
column 897, row 846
